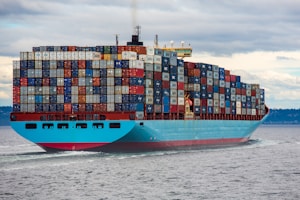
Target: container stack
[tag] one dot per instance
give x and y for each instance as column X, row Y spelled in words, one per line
column 149, row 81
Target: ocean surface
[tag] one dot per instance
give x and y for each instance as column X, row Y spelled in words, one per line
column 268, row 167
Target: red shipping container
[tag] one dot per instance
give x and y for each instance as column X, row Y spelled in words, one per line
column 81, row 107
column 136, row 90
column 60, row 90
column 203, row 102
column 222, row 110
column 99, row 107
column 227, row 72
column 253, row 92
column 96, row 81
column 81, row 90
column 16, row 99
column 126, row 72
column 197, row 72
column 136, row 73
column 125, row 81
column 227, row 78
column 243, row 91
column 67, row 64
column 46, row 81
column 74, row 81
column 157, row 75
column 189, row 65
column 181, row 108
column 121, row 49
column 222, row 90
column 210, row 88
column 81, row 99
column 23, row 81
column 232, row 78
column 67, row 73
column 81, row 64
column 203, row 81
column 71, row 48
column 180, row 86
column 173, row 108
column 16, row 90
column 238, row 91
column 190, row 71
column 165, row 84
column 67, row 107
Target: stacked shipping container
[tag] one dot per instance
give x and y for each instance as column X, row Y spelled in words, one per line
column 147, row 81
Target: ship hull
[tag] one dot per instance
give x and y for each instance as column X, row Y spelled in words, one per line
column 137, row 136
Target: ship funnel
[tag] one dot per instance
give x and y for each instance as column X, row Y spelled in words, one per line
column 136, row 37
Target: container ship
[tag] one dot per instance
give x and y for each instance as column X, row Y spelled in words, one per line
column 130, row 98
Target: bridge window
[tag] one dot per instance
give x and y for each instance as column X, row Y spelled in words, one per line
column 48, row 126
column 30, row 126
column 63, row 125
column 98, row 125
column 114, row 125
column 81, row 125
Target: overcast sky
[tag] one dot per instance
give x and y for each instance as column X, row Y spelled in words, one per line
column 259, row 40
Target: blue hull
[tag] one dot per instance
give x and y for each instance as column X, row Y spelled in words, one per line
column 130, row 135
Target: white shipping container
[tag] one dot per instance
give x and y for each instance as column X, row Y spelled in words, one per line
column 53, row 73
column 89, row 90
column 222, row 103
column 173, row 92
column 30, row 55
column 23, row 56
column 30, row 73
column 23, row 90
column 110, row 72
column 180, row 93
column 173, row 100
column 118, row 98
column 149, row 99
column 173, row 85
column 118, row 89
column 222, row 83
column 52, row 55
column 81, row 73
column 89, row 98
column 16, row 64
column 74, row 98
column 142, row 57
column 118, row 72
column 81, row 81
column 45, row 55
column 38, row 73
column 30, row 90
column 23, row 107
column 96, row 64
column 148, row 67
column 110, row 98
column 173, row 61
column 216, row 96
column 210, row 102
column 96, row 56
column 125, row 55
column 38, row 55
column 196, row 102
column 157, row 67
column 181, row 101
column 65, row 55
column 109, row 64
column 238, row 111
column 125, row 89
column 96, row 98
column 165, row 76
column 149, row 83
column 59, row 55
column 89, row 55
column 132, row 55
column 74, row 90
column 180, row 70
column 60, row 98
column 197, row 87
column 150, row 51
column 46, row 90
column 210, row 81
column 138, row 64
column 60, row 73
column 23, row 99
column 110, row 81
column 222, row 97
column 149, row 59
column 53, row 64
column 74, row 55
column 81, row 55
column 110, row 107
column 110, row 90
column 157, row 59
column 216, row 103
column 69, row 55
column 31, row 107
column 60, row 81
column 232, row 97
column 139, row 115
column 46, row 98
column 253, row 111
column 38, row 90
column 30, row 99
column 209, row 74
column 149, row 91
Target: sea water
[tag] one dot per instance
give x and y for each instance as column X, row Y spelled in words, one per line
column 268, row 167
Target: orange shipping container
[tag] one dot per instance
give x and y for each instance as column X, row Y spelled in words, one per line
column 67, row 107
column 81, row 99
column 81, row 64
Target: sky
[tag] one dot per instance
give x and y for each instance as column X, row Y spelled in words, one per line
column 259, row 40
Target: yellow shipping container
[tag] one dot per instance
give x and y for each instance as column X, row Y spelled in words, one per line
column 107, row 56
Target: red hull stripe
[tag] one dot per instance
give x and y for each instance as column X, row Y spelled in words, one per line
column 71, row 146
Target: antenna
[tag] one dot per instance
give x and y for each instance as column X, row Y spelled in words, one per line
column 117, row 39
column 156, row 40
